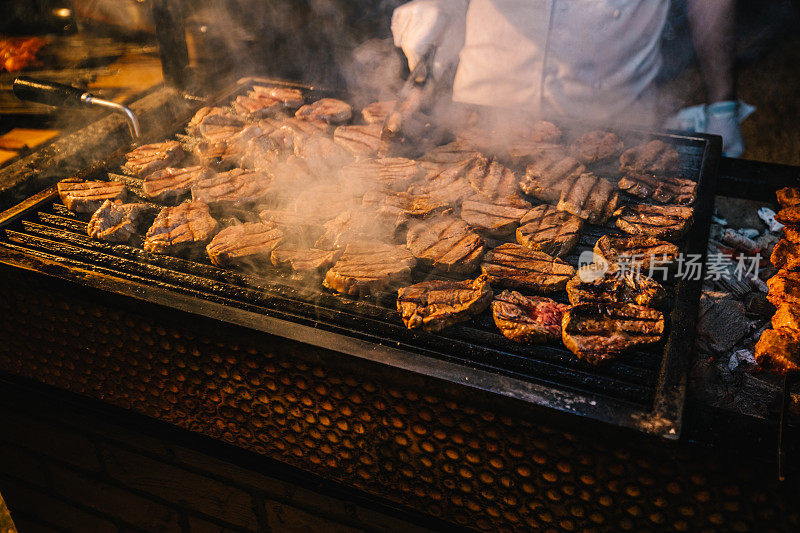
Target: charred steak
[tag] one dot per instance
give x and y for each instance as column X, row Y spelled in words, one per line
column 596, row 283
column 491, row 179
column 516, row 267
column 376, row 112
column 596, row 146
column 170, row 183
column 528, row 319
column 214, row 124
column 494, row 217
column 546, row 229
column 591, row 198
column 445, row 243
column 551, row 174
column 233, row 188
column 264, row 101
column 290, row 98
column 663, row 189
column 368, row 268
column 181, row 227
column 304, row 261
column 786, row 255
column 361, row 141
column 655, row 157
column 779, row 350
column 668, row 222
column 596, row 332
column 449, row 155
column 148, row 158
column 434, row 305
column 449, row 185
column 398, row 209
column 330, row 110
column 392, row 173
column 789, row 197
column 115, row 222
column 634, row 250
column 249, row 244
column 87, row 196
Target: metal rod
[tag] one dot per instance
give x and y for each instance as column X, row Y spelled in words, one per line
column 133, row 122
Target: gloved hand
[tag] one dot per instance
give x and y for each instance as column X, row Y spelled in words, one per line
column 420, row 24
column 722, row 120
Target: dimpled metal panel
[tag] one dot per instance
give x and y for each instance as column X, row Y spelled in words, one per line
column 405, row 438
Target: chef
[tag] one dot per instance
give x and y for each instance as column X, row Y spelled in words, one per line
column 586, row 59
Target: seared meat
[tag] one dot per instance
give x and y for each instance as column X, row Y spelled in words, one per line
column 398, row 209
column 494, row 217
column 115, row 221
column 148, row 158
column 368, row 268
column 324, row 201
column 177, row 228
column 596, row 332
column 376, row 112
column 244, row 244
column 87, row 196
column 663, row 189
column 449, row 155
column 514, row 266
column 304, row 261
column 787, row 316
column 789, row 196
column 591, row 198
column 445, row 243
column 668, row 222
column 596, row 283
column 285, row 133
column 435, row 305
column 392, row 173
column 792, row 234
column 596, row 146
column 449, row 185
column 264, row 101
column 789, row 215
column 784, row 288
column 322, row 156
column 551, row 174
column 290, row 98
column 361, row 141
column 545, row 229
column 328, row 109
column 491, row 179
column 214, row 124
column 543, row 132
column 655, row 157
column 786, row 255
column 634, row 249
column 524, row 151
column 779, row 350
column 349, row 226
column 172, row 182
column 528, row 319
column 236, row 187
column 217, row 154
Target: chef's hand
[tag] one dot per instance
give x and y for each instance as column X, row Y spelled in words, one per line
column 722, row 120
column 420, row 24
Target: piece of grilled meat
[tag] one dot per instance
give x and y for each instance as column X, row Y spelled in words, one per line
column 596, row 283
column 596, row 146
column 789, row 197
column 668, row 222
column 265, row 101
column 655, row 157
column 87, row 196
column 234, row 188
column 148, row 158
column 789, row 215
column 322, row 156
column 360, row 141
column 434, row 305
column 528, row 319
column 170, row 183
column 308, row 262
column 182, row 227
column 551, row 174
column 591, row 198
column 596, row 332
column 376, row 112
column 115, row 222
column 662, row 189
column 449, row 185
column 330, row 110
column 392, row 173
column 491, row 179
column 399, row 209
column 249, row 244
column 517, row 267
column 445, row 243
column 779, row 350
column 546, row 229
column 784, row 288
column 634, row 250
column 497, row 217
column 787, row 316
column 786, row 255
column 214, row 124
column 284, row 133
column 289, row 97
column 449, row 155
column 368, row 268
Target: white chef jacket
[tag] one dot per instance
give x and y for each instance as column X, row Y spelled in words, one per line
column 594, row 59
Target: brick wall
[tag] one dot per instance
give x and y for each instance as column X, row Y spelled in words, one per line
column 62, row 469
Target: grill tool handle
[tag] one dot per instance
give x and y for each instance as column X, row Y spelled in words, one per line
column 60, row 95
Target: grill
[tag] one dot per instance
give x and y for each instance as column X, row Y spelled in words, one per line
column 643, row 389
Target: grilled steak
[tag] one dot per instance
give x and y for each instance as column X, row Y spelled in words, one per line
column 596, row 332
column 148, row 158
column 392, row 173
column 170, row 183
column 218, row 154
column 214, row 124
column 543, row 132
column 285, row 133
column 792, row 234
column 87, row 196
column 528, row 319
column 779, row 350
column 668, row 222
column 330, row 110
column 449, row 155
column 616, row 251
column 361, row 141
column 491, row 179
column 264, row 101
column 591, row 198
column 324, row 201
column 786, row 255
column 290, row 98
column 368, row 268
column 449, row 185
column 376, row 112
column 435, row 305
column 322, row 156
column 523, row 151
column 349, row 226
column 546, row 229
column 494, row 217
column 789, row 215
column 551, row 174
column 596, row 283
column 784, row 288
column 445, row 243
column 516, row 267
column 304, row 261
column 177, row 228
column 398, row 209
column 789, row 197
column 115, row 222
column 596, row 146
column 244, row 244
column 233, row 188
column 655, row 157
column 663, row 189
column 787, row 316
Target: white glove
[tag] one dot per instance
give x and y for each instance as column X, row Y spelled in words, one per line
column 721, row 118
column 420, row 24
